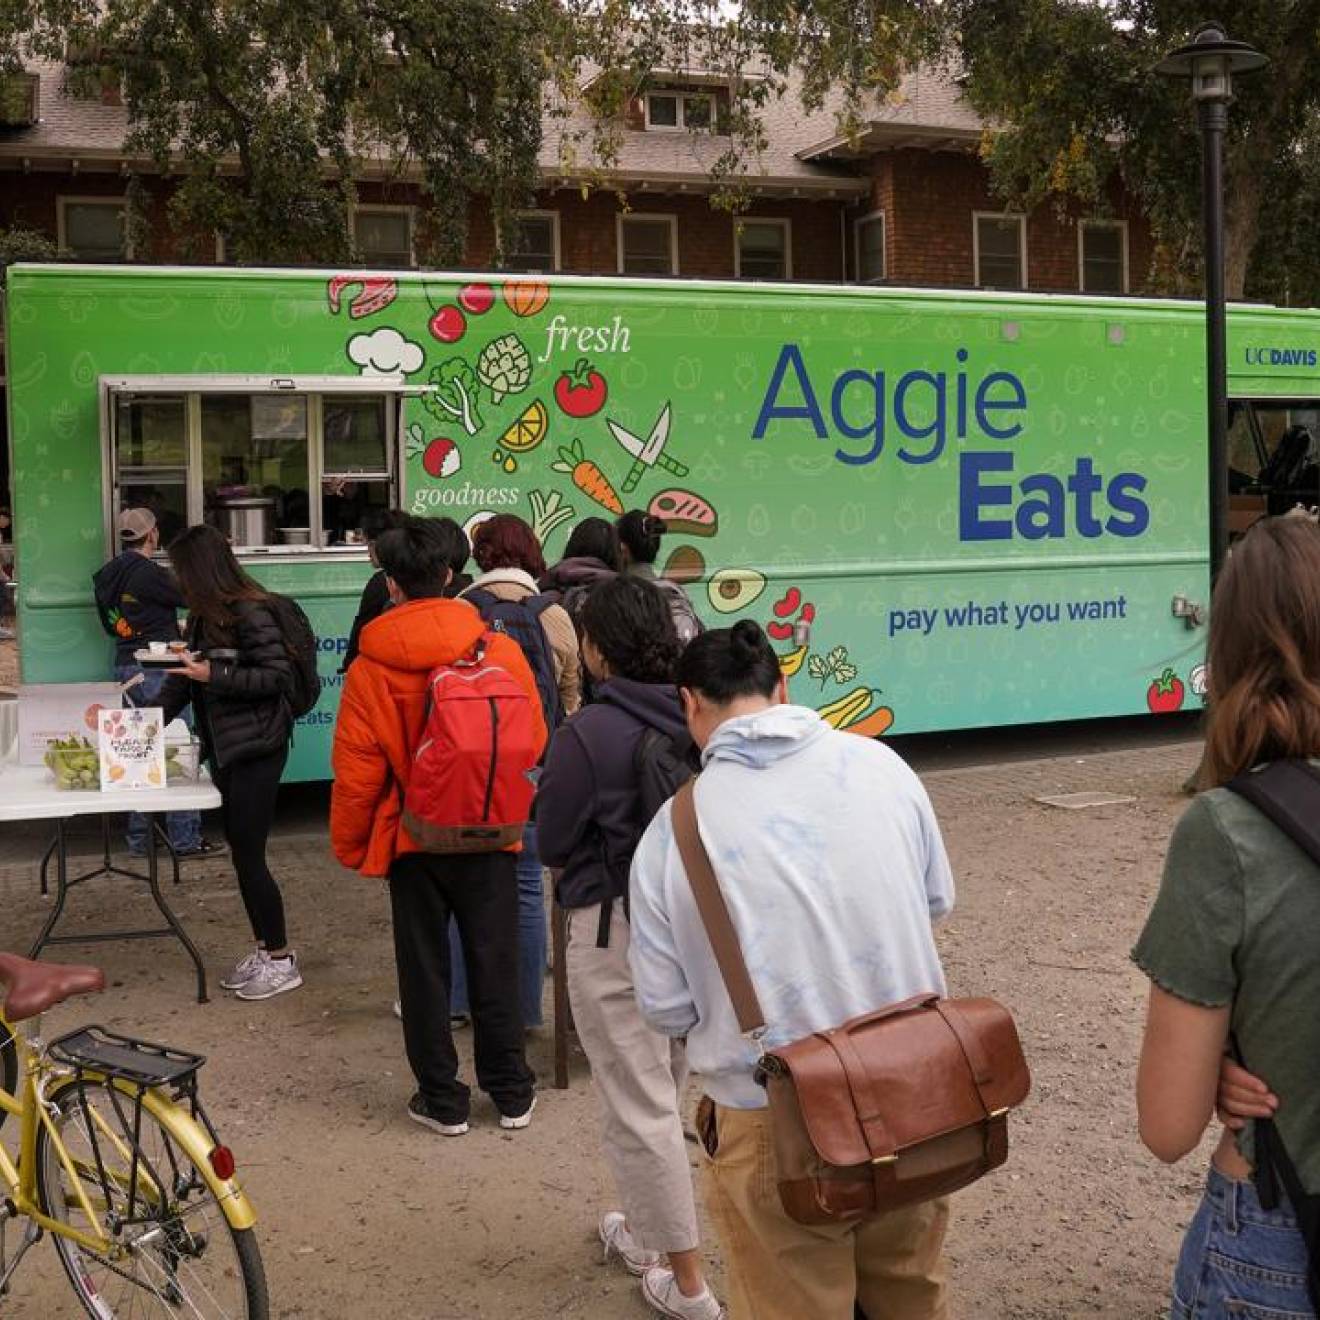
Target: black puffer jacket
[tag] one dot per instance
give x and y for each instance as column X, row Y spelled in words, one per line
column 243, row 712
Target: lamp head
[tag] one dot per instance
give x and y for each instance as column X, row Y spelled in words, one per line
column 1210, row 60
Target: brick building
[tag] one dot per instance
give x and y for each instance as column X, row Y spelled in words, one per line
column 908, row 203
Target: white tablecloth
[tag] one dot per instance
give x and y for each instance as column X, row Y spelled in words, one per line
column 28, row 792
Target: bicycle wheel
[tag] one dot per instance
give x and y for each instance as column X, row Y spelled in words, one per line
column 175, row 1254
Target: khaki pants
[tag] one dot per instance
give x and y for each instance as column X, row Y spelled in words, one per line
column 638, row 1076
column 779, row 1269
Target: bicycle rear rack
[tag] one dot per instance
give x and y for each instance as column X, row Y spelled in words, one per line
column 144, row 1065
column 139, row 1061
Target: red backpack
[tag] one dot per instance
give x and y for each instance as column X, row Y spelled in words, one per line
column 469, row 791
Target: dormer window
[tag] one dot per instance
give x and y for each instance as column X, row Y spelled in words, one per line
column 674, row 112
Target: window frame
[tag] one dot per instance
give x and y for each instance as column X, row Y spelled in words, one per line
column 539, row 213
column 784, row 224
column 620, row 223
column 64, row 200
column 384, row 208
column 681, row 99
column 1091, row 223
column 871, row 217
column 315, row 390
column 1000, row 217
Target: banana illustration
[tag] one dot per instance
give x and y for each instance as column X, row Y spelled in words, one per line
column 792, row 661
column 847, row 710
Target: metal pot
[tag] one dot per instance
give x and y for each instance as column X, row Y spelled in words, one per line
column 247, row 521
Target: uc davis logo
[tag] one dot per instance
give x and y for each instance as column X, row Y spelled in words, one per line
column 1281, row 357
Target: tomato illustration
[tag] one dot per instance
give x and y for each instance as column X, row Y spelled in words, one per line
column 448, row 325
column 1165, row 694
column 582, row 391
column 477, row 299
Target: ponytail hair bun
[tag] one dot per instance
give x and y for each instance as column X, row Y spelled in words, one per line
column 726, row 663
column 640, row 533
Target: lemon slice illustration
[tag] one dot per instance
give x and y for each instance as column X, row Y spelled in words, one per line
column 526, row 432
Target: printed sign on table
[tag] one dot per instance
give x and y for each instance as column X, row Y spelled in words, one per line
column 132, row 749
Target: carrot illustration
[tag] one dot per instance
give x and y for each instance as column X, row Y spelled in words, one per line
column 587, row 476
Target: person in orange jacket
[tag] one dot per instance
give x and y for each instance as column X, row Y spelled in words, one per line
column 382, row 714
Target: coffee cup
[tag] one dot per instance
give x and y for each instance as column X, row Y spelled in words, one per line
column 157, row 648
column 178, row 648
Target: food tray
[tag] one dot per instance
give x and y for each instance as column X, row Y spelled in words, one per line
column 150, row 660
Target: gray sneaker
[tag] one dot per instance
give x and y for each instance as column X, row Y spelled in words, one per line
column 244, row 970
column 274, row 977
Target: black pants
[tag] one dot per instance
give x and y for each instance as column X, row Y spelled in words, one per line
column 247, row 811
column 480, row 890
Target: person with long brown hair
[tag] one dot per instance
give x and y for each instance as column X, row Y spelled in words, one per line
column 1231, row 944
column 238, row 676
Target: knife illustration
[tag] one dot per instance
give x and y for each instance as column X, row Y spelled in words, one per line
column 648, row 453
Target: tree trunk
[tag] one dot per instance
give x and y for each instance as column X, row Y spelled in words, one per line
column 1241, row 222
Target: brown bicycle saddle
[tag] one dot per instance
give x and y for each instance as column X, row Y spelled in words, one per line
column 33, row 987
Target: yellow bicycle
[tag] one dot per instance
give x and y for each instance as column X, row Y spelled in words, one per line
column 119, row 1163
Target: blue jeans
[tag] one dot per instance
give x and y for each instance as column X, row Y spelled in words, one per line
column 1239, row 1261
column 531, row 939
column 184, row 828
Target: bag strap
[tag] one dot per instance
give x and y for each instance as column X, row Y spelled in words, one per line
column 1288, row 792
column 714, row 912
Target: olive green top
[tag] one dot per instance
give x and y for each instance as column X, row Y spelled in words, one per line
column 1237, row 921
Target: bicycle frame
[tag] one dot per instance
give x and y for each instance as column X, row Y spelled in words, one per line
column 29, row 1106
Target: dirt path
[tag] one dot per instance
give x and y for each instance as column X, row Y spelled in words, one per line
column 364, row 1214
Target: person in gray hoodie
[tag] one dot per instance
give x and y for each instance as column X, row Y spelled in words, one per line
column 591, row 811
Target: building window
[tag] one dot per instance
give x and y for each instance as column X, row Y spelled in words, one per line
column 870, row 233
column 93, row 228
column 648, row 244
column 764, row 250
column 534, row 241
column 1102, row 256
column 1000, row 251
column 382, row 236
column 672, row 112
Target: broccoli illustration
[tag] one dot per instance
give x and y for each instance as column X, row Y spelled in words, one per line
column 454, row 393
column 505, row 367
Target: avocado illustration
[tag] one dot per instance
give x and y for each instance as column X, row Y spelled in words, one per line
column 734, row 589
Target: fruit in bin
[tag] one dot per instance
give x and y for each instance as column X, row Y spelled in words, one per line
column 74, row 762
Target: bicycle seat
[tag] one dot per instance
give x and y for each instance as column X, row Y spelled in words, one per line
column 33, row 987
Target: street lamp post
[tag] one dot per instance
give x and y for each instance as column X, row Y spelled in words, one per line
column 1210, row 60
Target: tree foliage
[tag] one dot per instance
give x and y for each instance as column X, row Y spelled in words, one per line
column 1071, row 89
column 270, row 111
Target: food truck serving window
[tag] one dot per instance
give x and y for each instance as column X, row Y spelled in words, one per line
column 283, row 466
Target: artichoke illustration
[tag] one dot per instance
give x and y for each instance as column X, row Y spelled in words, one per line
column 504, row 367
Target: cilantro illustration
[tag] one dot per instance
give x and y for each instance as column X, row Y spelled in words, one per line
column 836, row 665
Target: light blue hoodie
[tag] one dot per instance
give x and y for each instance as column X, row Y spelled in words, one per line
column 831, row 862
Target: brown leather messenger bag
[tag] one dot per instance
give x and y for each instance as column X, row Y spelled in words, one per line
column 886, row 1110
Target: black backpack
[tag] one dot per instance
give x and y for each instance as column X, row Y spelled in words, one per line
column 300, row 643
column 661, row 767
column 1288, row 792
column 521, row 621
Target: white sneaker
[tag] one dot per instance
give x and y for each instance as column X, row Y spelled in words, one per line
column 273, row 977
column 244, row 970
column 621, row 1243
column 514, row 1122
column 660, row 1289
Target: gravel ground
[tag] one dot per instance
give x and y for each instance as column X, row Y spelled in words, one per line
column 364, row 1214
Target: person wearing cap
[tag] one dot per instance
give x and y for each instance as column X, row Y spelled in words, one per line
column 139, row 602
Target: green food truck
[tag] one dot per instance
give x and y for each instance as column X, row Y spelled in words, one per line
column 949, row 509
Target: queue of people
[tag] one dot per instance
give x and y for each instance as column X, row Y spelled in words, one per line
column 544, row 716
